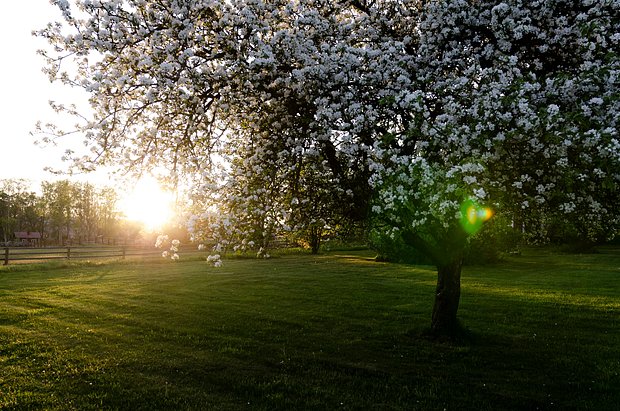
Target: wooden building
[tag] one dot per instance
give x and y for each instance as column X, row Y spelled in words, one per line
column 28, row 238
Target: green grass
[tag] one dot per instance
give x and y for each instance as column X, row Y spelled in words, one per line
column 338, row 331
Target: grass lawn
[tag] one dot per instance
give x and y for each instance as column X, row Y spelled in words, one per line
column 337, row 331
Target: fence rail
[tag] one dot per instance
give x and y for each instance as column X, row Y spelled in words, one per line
column 26, row 255
column 33, row 255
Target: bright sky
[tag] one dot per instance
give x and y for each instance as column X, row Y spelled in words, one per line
column 25, row 91
column 24, row 95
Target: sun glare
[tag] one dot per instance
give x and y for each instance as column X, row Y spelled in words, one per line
column 473, row 216
column 148, row 204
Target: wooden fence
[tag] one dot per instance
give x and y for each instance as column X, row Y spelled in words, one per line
column 26, row 255
column 33, row 255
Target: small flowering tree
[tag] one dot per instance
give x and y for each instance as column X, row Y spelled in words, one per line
column 426, row 106
column 318, row 203
column 244, row 212
column 433, row 210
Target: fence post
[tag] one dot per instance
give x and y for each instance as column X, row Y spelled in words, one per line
column 124, row 250
column 6, row 256
column 68, row 253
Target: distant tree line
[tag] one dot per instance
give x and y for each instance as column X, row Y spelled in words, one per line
column 64, row 212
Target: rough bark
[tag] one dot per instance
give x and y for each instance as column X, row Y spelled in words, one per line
column 447, row 297
column 315, row 242
column 447, row 254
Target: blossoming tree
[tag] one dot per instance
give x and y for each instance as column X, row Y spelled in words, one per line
column 433, row 106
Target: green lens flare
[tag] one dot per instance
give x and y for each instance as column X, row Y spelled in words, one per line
column 473, row 216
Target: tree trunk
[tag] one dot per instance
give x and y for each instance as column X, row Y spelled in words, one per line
column 447, row 255
column 447, row 296
column 315, row 242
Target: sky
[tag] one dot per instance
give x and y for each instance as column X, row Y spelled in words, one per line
column 25, row 92
column 24, row 95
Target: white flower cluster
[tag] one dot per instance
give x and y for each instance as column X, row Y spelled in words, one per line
column 262, row 253
column 423, row 197
column 215, row 260
column 172, row 252
column 266, row 102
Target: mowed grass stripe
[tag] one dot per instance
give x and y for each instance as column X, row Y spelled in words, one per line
column 303, row 332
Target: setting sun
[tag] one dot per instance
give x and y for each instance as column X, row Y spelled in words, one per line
column 148, row 204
